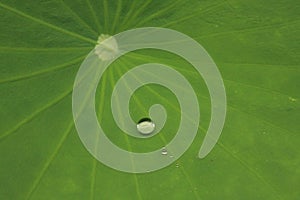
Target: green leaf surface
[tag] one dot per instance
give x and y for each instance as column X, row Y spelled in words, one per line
column 254, row 43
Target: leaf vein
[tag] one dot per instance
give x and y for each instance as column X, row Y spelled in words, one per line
column 62, row 30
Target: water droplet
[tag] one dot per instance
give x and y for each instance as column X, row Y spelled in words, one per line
column 145, row 126
column 292, row 99
column 107, row 47
column 177, row 165
column 164, row 151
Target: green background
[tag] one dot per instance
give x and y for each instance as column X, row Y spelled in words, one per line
column 256, row 47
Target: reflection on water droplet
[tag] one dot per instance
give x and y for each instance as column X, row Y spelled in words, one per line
column 145, row 126
column 164, row 151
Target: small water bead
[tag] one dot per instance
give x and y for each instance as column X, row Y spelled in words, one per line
column 292, row 99
column 145, row 126
column 164, row 151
